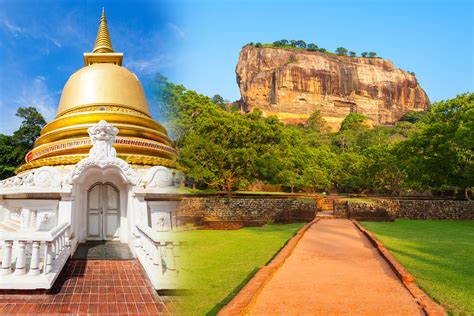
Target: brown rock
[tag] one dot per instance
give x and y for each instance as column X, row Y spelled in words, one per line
column 293, row 84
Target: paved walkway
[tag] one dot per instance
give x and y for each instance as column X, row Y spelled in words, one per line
column 100, row 287
column 334, row 270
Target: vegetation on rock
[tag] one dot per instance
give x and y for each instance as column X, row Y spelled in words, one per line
column 300, row 44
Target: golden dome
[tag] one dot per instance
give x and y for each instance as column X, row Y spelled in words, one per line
column 102, row 90
column 103, row 83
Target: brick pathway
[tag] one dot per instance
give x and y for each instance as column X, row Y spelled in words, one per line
column 334, row 270
column 91, row 287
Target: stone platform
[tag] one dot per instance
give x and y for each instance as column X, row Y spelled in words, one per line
column 110, row 250
column 91, row 287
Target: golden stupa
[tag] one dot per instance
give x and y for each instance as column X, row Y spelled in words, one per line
column 102, row 90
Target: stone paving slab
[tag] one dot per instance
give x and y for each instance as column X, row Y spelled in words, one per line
column 88, row 287
column 334, row 270
column 103, row 250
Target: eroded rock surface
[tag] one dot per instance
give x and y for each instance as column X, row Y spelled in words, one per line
column 293, row 84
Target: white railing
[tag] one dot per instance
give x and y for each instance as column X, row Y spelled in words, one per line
column 33, row 259
column 160, row 254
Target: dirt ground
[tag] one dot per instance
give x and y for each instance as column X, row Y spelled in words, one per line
column 334, row 270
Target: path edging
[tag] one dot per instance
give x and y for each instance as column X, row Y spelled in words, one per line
column 242, row 302
column 430, row 307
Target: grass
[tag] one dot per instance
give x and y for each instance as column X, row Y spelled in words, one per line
column 439, row 254
column 223, row 261
column 359, row 200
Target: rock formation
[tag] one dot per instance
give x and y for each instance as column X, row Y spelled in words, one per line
column 292, row 84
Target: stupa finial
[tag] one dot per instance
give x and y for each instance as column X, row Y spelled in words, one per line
column 102, row 41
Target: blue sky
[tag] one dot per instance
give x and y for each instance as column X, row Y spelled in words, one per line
column 197, row 42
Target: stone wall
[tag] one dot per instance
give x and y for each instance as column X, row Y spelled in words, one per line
column 236, row 212
column 408, row 209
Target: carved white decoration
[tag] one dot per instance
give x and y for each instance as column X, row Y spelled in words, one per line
column 47, row 177
column 102, row 137
column 102, row 155
column 17, row 181
column 127, row 171
column 44, row 177
column 159, row 177
column 45, row 220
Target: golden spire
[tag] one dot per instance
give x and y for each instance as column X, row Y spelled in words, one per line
column 102, row 42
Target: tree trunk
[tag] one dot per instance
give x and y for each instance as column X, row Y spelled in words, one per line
column 466, row 194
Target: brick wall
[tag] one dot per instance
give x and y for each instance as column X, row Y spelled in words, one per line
column 235, row 212
column 409, row 209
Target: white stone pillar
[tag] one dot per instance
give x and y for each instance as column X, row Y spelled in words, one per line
column 21, row 258
column 7, row 257
column 48, row 258
column 35, row 258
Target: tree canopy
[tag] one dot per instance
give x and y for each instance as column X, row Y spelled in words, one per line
column 228, row 150
column 13, row 148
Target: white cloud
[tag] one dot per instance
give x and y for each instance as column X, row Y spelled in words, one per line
column 177, row 30
column 10, row 26
column 147, row 66
column 37, row 94
column 38, row 32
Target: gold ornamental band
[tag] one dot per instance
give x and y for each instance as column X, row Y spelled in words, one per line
column 80, row 130
column 138, row 160
column 95, row 116
column 100, row 107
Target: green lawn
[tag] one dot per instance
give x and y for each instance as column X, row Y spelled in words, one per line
column 439, row 254
column 222, row 261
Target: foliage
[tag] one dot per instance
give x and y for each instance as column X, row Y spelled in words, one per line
column 341, row 51
column 312, row 47
column 353, row 121
column 414, row 116
column 14, row 148
column 440, row 154
column 235, row 254
column 439, row 256
column 227, row 150
column 302, row 45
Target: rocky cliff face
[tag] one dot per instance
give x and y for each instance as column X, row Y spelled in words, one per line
column 293, row 84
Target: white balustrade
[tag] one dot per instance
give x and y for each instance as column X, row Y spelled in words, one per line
column 160, row 256
column 16, row 262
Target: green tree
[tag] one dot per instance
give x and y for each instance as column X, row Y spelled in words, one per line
column 440, row 154
column 352, row 54
column 277, row 43
column 341, row 51
column 312, row 47
column 364, row 54
column 219, row 101
column 224, row 150
column 415, row 116
column 353, row 121
column 13, row 149
column 372, row 54
column 316, row 122
column 300, row 44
